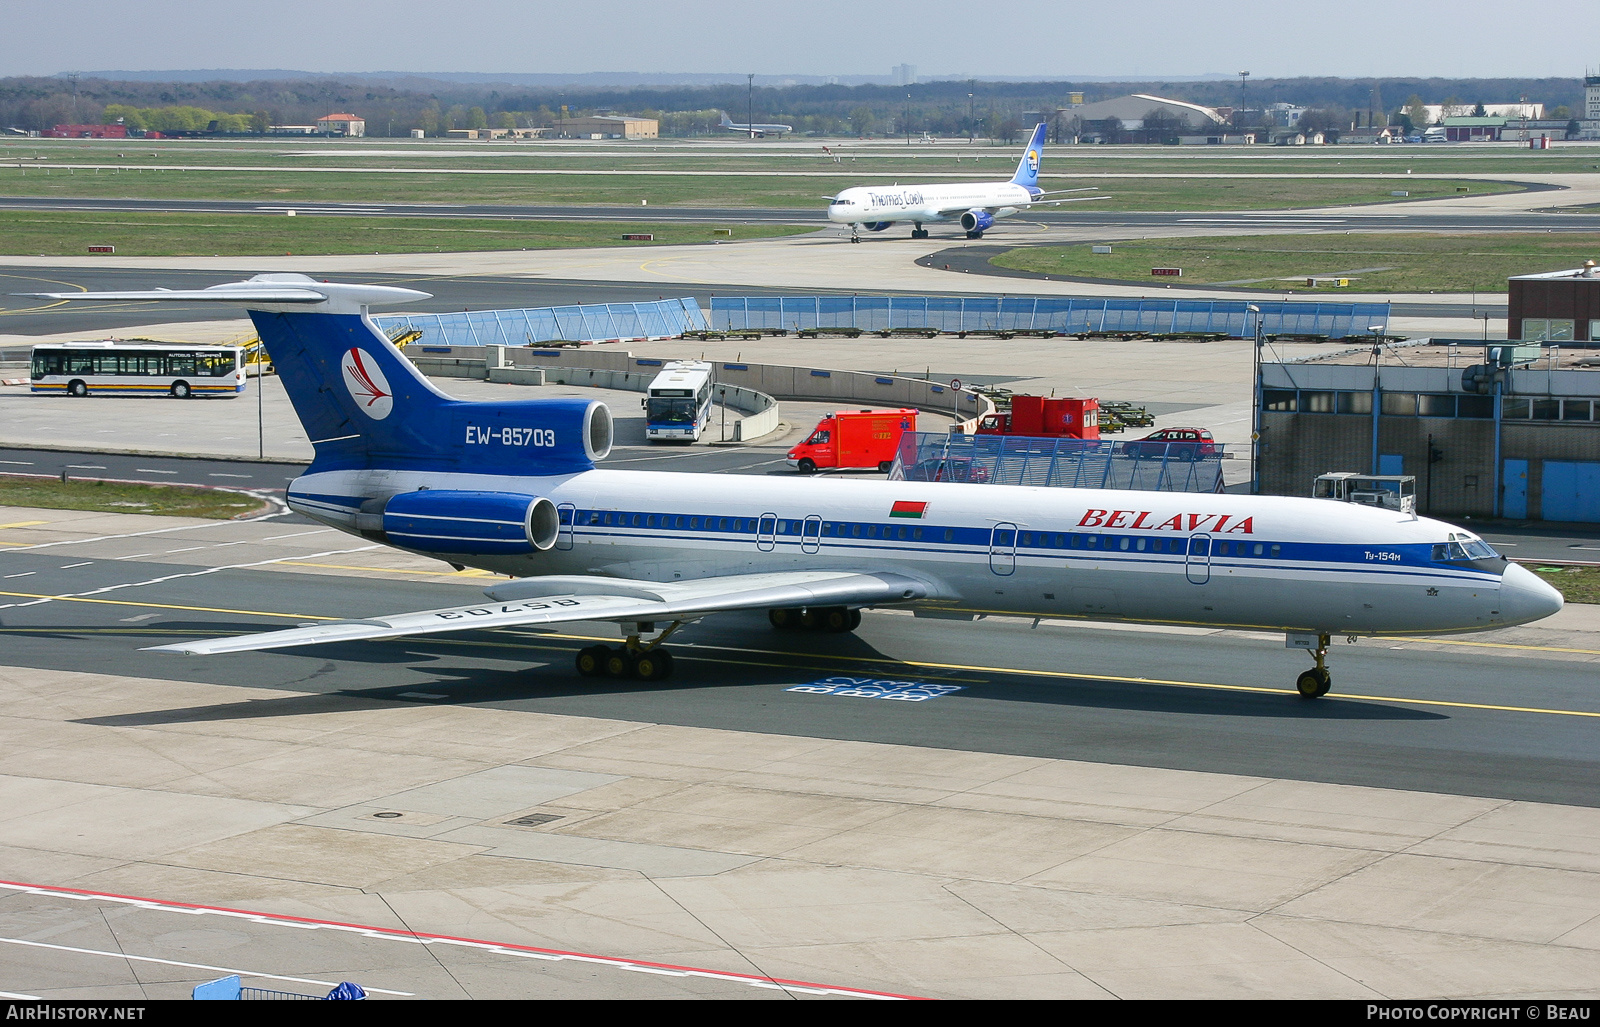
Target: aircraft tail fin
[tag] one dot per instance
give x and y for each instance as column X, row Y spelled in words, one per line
column 1028, row 168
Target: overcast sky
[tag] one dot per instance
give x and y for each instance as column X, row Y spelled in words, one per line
column 1147, row 38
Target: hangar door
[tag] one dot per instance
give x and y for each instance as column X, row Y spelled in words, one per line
column 1571, row 491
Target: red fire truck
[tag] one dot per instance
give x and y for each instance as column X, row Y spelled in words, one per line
column 853, row 438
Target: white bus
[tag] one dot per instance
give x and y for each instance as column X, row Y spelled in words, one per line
column 678, row 407
column 137, row 369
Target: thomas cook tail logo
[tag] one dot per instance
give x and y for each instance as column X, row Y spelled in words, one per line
column 367, row 385
column 1033, row 161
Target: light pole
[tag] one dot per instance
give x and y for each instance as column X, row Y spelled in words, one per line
column 750, row 105
column 972, row 126
column 1255, row 402
column 1240, row 119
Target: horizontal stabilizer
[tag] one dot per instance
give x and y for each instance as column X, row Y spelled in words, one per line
column 263, row 292
column 557, row 600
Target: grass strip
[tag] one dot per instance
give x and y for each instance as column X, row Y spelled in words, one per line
column 1577, row 584
column 1373, row 262
column 70, row 233
column 126, row 497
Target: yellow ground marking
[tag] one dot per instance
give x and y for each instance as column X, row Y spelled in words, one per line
column 22, row 524
column 165, row 606
column 1493, row 645
column 968, row 668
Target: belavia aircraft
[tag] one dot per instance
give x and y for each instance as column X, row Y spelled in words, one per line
column 975, row 204
column 513, row 488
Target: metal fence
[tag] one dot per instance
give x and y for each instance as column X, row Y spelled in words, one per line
column 1067, row 314
column 588, row 322
column 1058, row 463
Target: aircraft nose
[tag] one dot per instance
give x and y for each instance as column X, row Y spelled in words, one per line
column 1525, row 597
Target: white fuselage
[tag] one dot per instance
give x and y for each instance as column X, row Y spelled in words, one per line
column 872, row 203
column 1157, row 557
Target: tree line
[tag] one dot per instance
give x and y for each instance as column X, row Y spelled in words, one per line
column 997, row 110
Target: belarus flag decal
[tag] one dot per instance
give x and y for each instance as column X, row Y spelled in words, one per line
column 905, row 509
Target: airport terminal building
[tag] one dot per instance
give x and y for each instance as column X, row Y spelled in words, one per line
column 1488, row 431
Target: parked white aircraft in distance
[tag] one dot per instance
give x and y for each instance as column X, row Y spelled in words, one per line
column 755, row 131
column 975, row 204
column 511, row 487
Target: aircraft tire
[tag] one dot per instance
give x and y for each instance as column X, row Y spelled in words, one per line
column 619, row 663
column 652, row 665
column 784, row 620
column 1314, row 683
column 811, row 619
column 591, row 661
column 836, row 620
column 855, row 620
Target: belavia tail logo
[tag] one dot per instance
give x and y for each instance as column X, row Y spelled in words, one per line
column 367, row 385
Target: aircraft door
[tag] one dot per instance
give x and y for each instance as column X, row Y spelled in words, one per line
column 566, row 513
column 1003, row 548
column 1197, row 564
column 811, row 534
column 767, row 532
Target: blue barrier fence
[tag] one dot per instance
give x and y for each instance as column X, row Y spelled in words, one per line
column 1067, row 314
column 1058, row 463
column 588, row 322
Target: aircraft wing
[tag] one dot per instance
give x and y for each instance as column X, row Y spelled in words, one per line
column 563, row 598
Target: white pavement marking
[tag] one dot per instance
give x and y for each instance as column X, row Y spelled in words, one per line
column 108, row 538
column 151, row 470
column 69, row 566
column 208, row 967
column 186, row 574
column 416, row 938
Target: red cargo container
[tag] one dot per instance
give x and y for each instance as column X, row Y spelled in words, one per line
column 1039, row 417
column 854, row 438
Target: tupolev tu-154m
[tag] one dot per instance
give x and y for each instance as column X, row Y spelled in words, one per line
column 513, row 487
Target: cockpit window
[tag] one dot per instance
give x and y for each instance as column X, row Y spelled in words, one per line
column 840, row 201
column 1462, row 547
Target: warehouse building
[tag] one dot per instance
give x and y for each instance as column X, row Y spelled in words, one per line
column 609, row 127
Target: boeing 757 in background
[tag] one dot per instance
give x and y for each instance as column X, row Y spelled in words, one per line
column 975, row 204
column 512, row 487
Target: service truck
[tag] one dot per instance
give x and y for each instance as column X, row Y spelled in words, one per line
column 853, row 438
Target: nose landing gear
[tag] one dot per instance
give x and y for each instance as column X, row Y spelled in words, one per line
column 1314, row 683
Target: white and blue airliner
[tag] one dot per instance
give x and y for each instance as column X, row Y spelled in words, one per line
column 515, row 487
column 976, row 205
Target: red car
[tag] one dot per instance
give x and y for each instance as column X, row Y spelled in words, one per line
column 1173, row 444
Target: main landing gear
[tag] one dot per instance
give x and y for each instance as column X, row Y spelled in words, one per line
column 835, row 620
column 1314, row 683
column 633, row 660
column 855, row 232
column 919, row 232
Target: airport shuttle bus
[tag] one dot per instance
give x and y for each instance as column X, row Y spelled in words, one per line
column 137, row 369
column 678, row 406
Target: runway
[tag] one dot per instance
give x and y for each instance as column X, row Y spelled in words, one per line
column 1439, row 215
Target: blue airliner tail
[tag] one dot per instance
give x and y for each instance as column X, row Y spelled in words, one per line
column 1028, row 168
column 364, row 405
